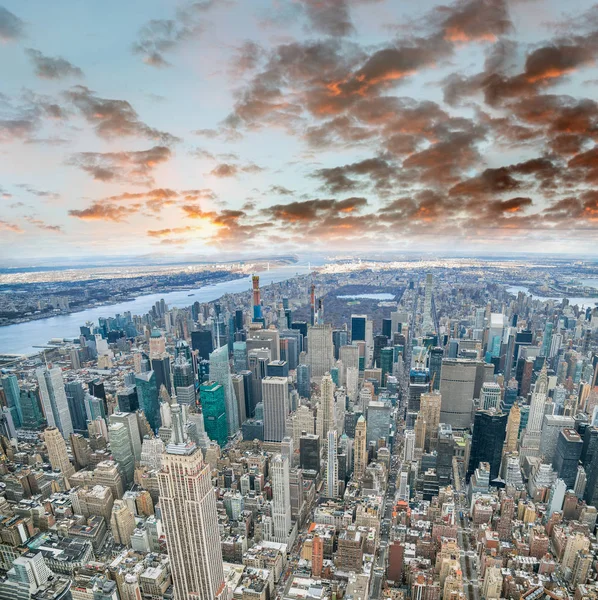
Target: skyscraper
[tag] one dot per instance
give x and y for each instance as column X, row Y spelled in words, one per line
column 275, row 396
column 213, row 406
column 530, row 440
column 121, row 448
column 33, row 417
column 10, row 385
column 331, row 490
column 512, row 433
column 360, row 448
column 220, row 372
column 54, row 401
column 75, row 396
column 56, row 446
column 428, row 325
column 457, row 382
column 327, row 388
column 190, row 519
column 358, row 327
column 281, row 498
column 320, row 349
column 430, row 403
column 487, row 441
column 147, row 392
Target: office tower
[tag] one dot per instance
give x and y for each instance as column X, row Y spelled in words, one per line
column 309, row 452
column 510, row 395
column 275, row 395
column 220, row 373
column 81, row 450
column 492, row 586
column 457, row 382
column 349, row 356
column 327, row 388
column 566, row 458
column 435, row 356
column 430, row 404
column 277, row 368
column 487, row 441
column 121, row 448
column 157, row 343
column 161, row 367
column 75, row 396
column 512, row 431
column 552, row 426
column 317, row 556
column 360, row 448
column 530, row 441
column 213, row 405
column 260, row 339
column 54, row 402
column 238, row 382
column 183, row 379
column 289, row 344
column 122, row 522
column 257, row 304
column 428, row 325
column 490, row 397
column 240, row 356
column 28, row 576
column 281, row 498
column 33, row 417
column 358, row 327
column 147, row 392
column 10, row 385
column 202, row 342
column 420, row 432
column 386, row 363
column 57, row 453
column 331, row 489
column 445, row 450
column 248, row 393
column 320, row 350
column 190, row 519
column 547, row 340
column 378, row 421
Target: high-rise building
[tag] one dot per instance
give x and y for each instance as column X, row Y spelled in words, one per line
column 487, row 441
column 10, row 385
column 360, row 448
column 430, row 405
column 33, row 417
column 57, row 453
column 530, row 441
column 220, row 373
column 378, row 421
column 320, row 349
column 281, row 498
column 275, row 395
column 304, row 380
column 358, row 327
column 202, row 342
column 121, row 447
column 309, row 452
column 54, row 401
column 190, row 519
column 491, row 394
column 512, row 432
column 122, row 522
column 457, row 383
column 331, row 490
column 127, row 398
column 435, row 356
column 317, row 556
column 183, row 379
column 75, row 396
column 326, row 410
column 428, row 325
column 147, row 391
column 566, row 458
column 213, row 403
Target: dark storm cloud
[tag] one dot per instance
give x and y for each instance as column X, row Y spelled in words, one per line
column 113, row 118
column 48, row 67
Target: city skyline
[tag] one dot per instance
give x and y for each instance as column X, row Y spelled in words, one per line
column 220, row 128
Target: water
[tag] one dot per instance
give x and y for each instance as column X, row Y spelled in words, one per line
column 22, row 337
column 582, row 302
column 378, row 296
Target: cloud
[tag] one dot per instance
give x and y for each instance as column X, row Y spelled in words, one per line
column 48, row 67
column 224, row 170
column 114, row 118
column 11, row 27
column 331, row 17
column 6, row 226
column 46, row 194
column 475, row 20
column 159, row 37
column 100, row 211
column 309, row 210
column 12, row 129
column 380, row 172
column 42, row 225
column 130, row 167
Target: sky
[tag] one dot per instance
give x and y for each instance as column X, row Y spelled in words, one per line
column 223, row 128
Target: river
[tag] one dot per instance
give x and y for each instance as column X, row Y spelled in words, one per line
column 23, row 337
column 582, row 302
